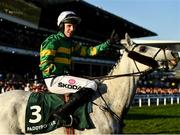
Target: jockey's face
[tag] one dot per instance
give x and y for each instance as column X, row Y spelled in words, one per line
column 69, row 29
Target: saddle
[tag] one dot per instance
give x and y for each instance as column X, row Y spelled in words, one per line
column 40, row 109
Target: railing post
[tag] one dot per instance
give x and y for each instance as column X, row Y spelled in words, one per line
column 164, row 100
column 171, row 100
column 140, row 102
column 157, row 101
column 149, row 101
column 177, row 100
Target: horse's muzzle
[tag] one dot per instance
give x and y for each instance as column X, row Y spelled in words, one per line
column 175, row 54
column 176, row 59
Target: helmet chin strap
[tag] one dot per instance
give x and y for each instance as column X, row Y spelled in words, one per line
column 143, row 59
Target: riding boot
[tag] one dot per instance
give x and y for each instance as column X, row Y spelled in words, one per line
column 77, row 99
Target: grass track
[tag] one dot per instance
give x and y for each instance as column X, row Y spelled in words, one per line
column 151, row 120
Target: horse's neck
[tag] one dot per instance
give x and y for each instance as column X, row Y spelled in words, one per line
column 121, row 89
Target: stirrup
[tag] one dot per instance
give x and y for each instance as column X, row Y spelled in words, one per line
column 70, row 124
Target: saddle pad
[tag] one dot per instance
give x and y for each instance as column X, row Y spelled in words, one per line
column 41, row 107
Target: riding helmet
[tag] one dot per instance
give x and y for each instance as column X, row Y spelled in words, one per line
column 68, row 17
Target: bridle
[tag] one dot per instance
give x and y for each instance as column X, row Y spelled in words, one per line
column 151, row 62
column 106, row 106
column 147, row 59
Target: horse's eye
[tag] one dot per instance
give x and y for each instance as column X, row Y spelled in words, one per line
column 142, row 49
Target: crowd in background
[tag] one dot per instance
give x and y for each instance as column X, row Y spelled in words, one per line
column 13, row 81
column 34, row 87
column 41, row 87
column 157, row 90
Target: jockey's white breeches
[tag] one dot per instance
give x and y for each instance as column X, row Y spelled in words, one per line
column 68, row 84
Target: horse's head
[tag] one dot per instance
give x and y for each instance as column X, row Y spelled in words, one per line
column 149, row 56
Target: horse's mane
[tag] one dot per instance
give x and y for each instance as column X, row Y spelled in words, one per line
column 114, row 66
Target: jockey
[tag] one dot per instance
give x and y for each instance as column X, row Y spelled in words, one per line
column 55, row 63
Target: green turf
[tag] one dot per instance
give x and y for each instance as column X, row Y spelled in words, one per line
column 147, row 120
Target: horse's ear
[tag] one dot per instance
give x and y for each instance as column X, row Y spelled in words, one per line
column 128, row 40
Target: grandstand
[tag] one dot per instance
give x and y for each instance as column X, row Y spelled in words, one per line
column 22, row 33
column 23, row 30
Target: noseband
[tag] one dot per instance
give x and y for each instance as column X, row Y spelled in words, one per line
column 143, row 59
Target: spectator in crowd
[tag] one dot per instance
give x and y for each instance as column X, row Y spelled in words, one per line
column 27, row 87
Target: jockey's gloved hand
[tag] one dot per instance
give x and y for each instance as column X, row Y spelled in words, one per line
column 114, row 39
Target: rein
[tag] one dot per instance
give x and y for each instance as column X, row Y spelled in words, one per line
column 154, row 64
column 106, row 107
column 107, row 77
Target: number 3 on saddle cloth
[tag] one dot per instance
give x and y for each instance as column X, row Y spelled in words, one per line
column 41, row 107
